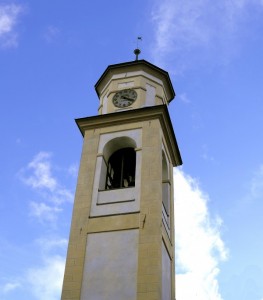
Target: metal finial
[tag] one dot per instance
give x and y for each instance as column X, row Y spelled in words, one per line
column 137, row 51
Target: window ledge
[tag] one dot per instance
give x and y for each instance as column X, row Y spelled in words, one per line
column 116, row 195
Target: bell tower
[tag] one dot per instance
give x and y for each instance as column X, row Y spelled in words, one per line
column 121, row 244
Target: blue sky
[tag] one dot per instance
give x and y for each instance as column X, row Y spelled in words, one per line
column 51, row 55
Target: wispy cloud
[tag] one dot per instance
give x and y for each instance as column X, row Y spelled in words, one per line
column 199, row 247
column 206, row 155
column 51, row 33
column 41, row 177
column 256, row 184
column 38, row 176
column 43, row 212
column 46, row 281
column 73, row 170
column 184, row 98
column 47, row 245
column 190, row 32
column 10, row 286
column 9, row 14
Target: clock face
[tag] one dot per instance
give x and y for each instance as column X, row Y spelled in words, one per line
column 124, row 98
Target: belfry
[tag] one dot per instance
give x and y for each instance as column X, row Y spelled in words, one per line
column 121, row 244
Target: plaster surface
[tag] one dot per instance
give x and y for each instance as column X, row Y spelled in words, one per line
column 166, row 274
column 150, row 95
column 110, row 268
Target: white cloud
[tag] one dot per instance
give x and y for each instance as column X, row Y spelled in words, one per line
column 199, row 246
column 184, row 98
column 9, row 14
column 73, row 170
column 45, row 281
column 10, row 286
column 39, row 176
column 43, row 212
column 61, row 195
column 195, row 31
column 47, row 245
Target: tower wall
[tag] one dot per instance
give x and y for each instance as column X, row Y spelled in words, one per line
column 121, row 243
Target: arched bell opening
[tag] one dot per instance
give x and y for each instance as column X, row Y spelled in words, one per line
column 121, row 169
column 119, row 164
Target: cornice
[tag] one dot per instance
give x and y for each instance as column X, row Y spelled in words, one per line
column 141, row 62
column 159, row 112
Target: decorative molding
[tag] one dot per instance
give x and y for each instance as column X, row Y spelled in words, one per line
column 159, row 112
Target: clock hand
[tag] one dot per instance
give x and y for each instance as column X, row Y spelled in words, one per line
column 127, row 98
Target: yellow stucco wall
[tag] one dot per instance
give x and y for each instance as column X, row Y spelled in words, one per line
column 148, row 220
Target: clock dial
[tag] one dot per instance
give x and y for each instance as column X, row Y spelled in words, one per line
column 124, row 98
